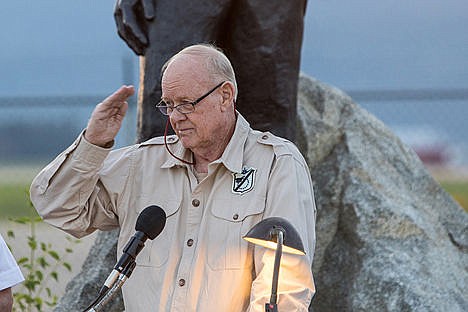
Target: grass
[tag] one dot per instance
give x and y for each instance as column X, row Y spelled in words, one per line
column 459, row 191
column 14, row 201
column 15, row 180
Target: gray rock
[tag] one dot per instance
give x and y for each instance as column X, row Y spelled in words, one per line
column 389, row 238
column 84, row 288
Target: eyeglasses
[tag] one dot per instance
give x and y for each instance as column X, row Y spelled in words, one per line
column 185, row 107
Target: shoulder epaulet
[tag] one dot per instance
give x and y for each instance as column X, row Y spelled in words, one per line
column 280, row 145
column 171, row 139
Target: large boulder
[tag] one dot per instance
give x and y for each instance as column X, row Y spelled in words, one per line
column 389, row 238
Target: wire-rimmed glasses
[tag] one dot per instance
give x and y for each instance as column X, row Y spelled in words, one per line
column 185, row 107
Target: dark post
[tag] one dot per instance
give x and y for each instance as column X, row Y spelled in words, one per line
column 262, row 38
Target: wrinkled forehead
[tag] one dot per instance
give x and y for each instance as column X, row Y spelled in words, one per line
column 185, row 69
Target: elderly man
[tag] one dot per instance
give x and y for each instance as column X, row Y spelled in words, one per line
column 216, row 178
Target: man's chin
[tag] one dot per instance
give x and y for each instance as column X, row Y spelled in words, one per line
column 186, row 141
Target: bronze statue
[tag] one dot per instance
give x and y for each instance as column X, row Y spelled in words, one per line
column 262, row 38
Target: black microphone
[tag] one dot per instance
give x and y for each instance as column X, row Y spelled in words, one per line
column 150, row 224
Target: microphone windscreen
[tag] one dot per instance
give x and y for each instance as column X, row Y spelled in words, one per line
column 151, row 221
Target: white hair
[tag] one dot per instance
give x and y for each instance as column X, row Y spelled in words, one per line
column 216, row 62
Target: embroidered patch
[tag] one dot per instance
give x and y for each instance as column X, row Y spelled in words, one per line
column 243, row 182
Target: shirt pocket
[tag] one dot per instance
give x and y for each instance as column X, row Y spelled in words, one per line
column 156, row 251
column 230, row 219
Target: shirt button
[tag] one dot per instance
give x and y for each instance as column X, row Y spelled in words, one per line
column 265, row 137
column 195, row 203
column 190, row 242
column 181, row 282
column 235, row 217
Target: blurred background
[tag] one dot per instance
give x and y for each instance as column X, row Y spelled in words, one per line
column 404, row 61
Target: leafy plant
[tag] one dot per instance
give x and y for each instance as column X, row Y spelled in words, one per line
column 39, row 268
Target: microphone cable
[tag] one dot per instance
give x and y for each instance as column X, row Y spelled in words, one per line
column 169, row 151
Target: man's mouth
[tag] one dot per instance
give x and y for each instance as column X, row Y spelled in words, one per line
column 184, row 131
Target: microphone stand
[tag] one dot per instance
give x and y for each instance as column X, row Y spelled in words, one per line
column 102, row 300
column 272, row 305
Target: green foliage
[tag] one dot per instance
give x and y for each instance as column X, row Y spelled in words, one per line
column 39, row 268
column 14, row 199
column 459, row 191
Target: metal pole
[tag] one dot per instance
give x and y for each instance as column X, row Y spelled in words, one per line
column 272, row 306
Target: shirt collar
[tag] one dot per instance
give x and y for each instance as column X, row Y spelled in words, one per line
column 232, row 157
column 181, row 152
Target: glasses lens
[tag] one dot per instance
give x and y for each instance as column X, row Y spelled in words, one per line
column 164, row 108
column 185, row 108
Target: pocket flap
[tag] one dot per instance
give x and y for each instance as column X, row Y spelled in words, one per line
column 236, row 210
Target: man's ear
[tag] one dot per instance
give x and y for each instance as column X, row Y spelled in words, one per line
column 227, row 91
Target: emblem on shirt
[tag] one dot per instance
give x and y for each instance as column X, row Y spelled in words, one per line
column 243, row 182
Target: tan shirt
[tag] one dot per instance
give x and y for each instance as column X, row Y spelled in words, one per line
column 199, row 262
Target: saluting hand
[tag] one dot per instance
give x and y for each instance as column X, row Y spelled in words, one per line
column 107, row 117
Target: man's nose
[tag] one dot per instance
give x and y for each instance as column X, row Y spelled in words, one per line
column 176, row 116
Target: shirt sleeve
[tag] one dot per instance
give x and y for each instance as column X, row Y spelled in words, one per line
column 290, row 196
column 71, row 194
column 10, row 273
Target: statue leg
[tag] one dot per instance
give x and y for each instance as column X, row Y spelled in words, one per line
column 176, row 25
column 264, row 46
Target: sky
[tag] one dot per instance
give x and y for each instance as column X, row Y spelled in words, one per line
column 362, row 44
column 70, row 48
column 53, row 47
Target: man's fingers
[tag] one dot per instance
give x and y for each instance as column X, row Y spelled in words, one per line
column 121, row 110
column 124, row 92
column 119, row 96
column 107, row 117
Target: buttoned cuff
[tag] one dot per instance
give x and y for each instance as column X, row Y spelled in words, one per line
column 90, row 154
